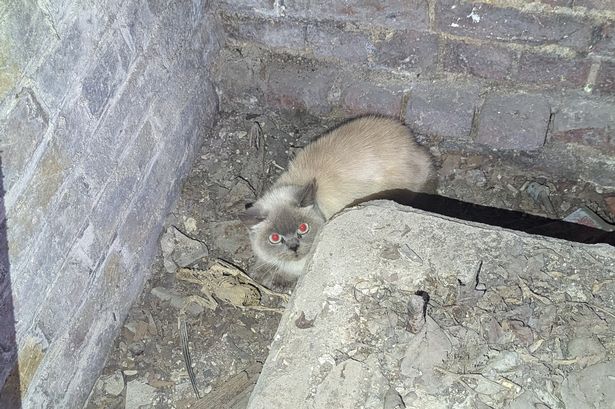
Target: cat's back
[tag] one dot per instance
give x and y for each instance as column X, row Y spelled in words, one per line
column 361, row 157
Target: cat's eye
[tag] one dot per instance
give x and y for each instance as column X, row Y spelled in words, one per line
column 303, row 228
column 275, row 238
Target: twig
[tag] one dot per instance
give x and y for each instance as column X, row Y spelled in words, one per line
column 183, row 338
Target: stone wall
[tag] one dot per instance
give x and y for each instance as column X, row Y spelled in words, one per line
column 104, row 104
column 504, row 75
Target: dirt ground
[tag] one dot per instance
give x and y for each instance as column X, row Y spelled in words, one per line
column 227, row 328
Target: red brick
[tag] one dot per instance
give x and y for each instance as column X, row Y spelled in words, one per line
column 300, row 85
column 596, row 4
column 265, row 31
column 605, row 44
column 407, row 50
column 332, row 41
column 365, row 98
column 485, row 61
column 386, row 13
column 552, row 69
column 558, row 3
column 506, row 24
column 596, row 137
column 582, row 121
column 442, row 108
column 605, row 83
column 516, row 121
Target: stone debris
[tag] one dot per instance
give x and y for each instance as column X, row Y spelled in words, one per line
column 587, row 217
column 179, row 250
column 512, row 320
column 139, row 395
column 114, row 384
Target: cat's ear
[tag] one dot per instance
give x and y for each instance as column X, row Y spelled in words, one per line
column 252, row 216
column 307, row 194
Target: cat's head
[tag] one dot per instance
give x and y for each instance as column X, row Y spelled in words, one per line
column 283, row 224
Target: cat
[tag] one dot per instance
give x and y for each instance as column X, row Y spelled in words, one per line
column 350, row 164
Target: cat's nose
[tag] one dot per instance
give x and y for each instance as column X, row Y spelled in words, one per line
column 293, row 244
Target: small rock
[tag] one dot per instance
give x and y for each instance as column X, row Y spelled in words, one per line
column 179, row 250
column 476, row 177
column 139, row 395
column 190, row 225
column 195, row 309
column 393, row 400
column 163, row 293
column 130, row 372
column 137, row 348
column 114, row 384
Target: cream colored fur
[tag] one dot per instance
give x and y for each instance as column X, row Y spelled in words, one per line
column 360, row 158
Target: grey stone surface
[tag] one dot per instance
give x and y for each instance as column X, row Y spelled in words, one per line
column 594, row 381
column 179, row 250
column 139, row 395
column 443, row 109
column 517, row 121
column 347, row 338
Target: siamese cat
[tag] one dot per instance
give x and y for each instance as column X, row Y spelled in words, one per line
column 351, row 163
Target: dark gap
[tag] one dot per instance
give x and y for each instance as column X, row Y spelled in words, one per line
column 493, row 216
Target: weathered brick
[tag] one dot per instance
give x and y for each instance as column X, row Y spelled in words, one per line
column 240, row 85
column 25, row 35
column 483, row 60
column 103, row 81
column 599, row 138
column 553, row 70
column 70, row 57
column 605, row 82
column 408, row 50
column 95, row 324
column 506, row 24
column 332, row 41
column 387, row 13
column 558, row 3
column 579, row 112
column 21, row 134
column 267, row 32
column 596, row 4
column 367, row 98
column 586, row 122
column 605, row 43
column 30, row 210
column 442, row 108
column 152, row 62
column 259, row 6
column 301, row 85
column 517, row 121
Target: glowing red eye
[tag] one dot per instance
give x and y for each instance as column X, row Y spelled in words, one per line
column 275, row 238
column 303, row 228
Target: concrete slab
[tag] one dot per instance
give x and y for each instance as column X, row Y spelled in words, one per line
column 512, row 320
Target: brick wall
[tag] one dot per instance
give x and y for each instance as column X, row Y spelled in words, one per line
column 103, row 106
column 506, row 75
